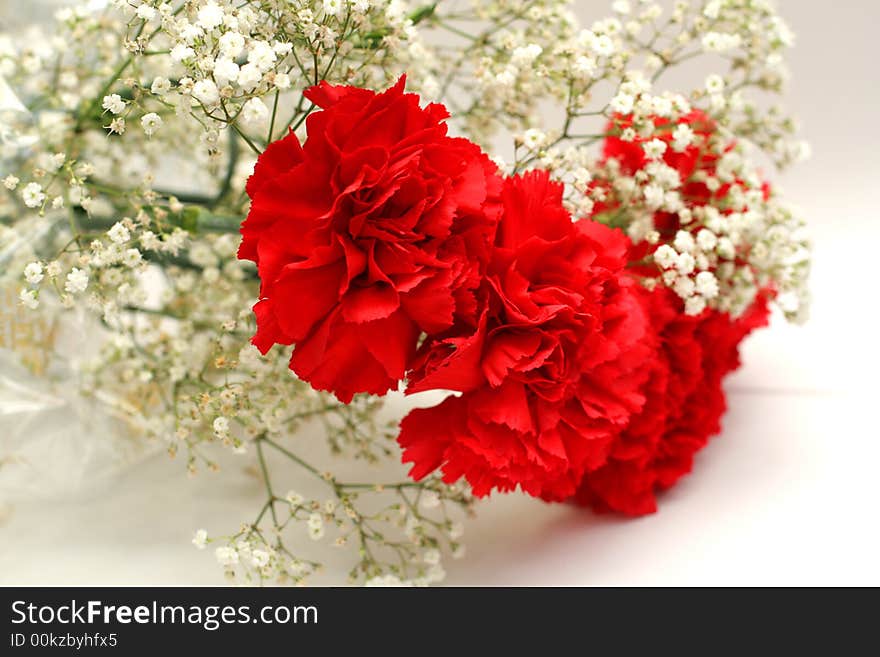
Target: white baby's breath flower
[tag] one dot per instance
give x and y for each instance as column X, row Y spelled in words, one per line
column 149, row 241
column 602, row 45
column 33, row 195
column 506, row 78
column 684, row 286
column 77, row 281
column 706, row 239
column 210, row 16
column 623, row 103
column 226, row 556
column 316, row 526
column 259, row 558
column 684, row 241
column 332, row 7
column 182, row 53
column 33, row 273
column 225, row 71
column 146, row 12
column 707, row 284
column 714, row 84
column 435, row 574
column 720, row 42
column 117, row 126
column 361, row 6
column 682, row 137
column 206, row 92
column 430, row 499
column 190, row 32
column 262, row 55
column 160, row 86
column 282, row 81
column 200, row 539
column 118, row 233
column 254, row 112
column 712, row 9
column 802, row 151
column 231, row 44
column 28, row 298
column 725, row 248
column 249, row 76
column 654, row 196
column 584, row 67
column 685, row 263
column 131, row 258
column 661, row 106
column 151, row 122
column 220, row 426
column 10, row 182
column 185, row 87
column 113, row 103
column 654, row 149
column 534, row 138
column 694, row 305
column 526, row 55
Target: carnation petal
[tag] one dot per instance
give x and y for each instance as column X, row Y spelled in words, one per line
column 507, row 405
column 391, row 341
column 303, row 295
column 365, row 304
column 268, row 330
column 343, row 365
column 280, row 156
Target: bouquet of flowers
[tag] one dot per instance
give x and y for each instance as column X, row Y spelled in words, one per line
column 275, row 215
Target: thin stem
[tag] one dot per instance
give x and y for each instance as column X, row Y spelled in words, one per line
column 274, row 112
column 246, row 139
column 296, row 459
column 266, row 479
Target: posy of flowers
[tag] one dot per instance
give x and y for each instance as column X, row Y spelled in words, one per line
column 271, row 214
column 390, row 252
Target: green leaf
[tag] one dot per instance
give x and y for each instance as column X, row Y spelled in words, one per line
column 422, row 13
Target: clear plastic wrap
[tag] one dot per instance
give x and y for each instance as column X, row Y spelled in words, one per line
column 54, row 441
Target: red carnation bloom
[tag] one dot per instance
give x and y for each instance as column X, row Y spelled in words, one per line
column 685, row 402
column 552, row 371
column 378, row 228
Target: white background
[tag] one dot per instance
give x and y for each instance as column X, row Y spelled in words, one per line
column 787, row 494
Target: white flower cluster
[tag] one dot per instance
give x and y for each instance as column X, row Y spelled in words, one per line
column 734, row 238
column 248, row 553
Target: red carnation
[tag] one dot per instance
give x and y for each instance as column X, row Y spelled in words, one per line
column 685, row 402
column 553, row 370
column 378, row 228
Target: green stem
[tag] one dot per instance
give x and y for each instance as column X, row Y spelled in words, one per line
column 296, row 459
column 266, row 479
column 246, row 139
column 274, row 112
